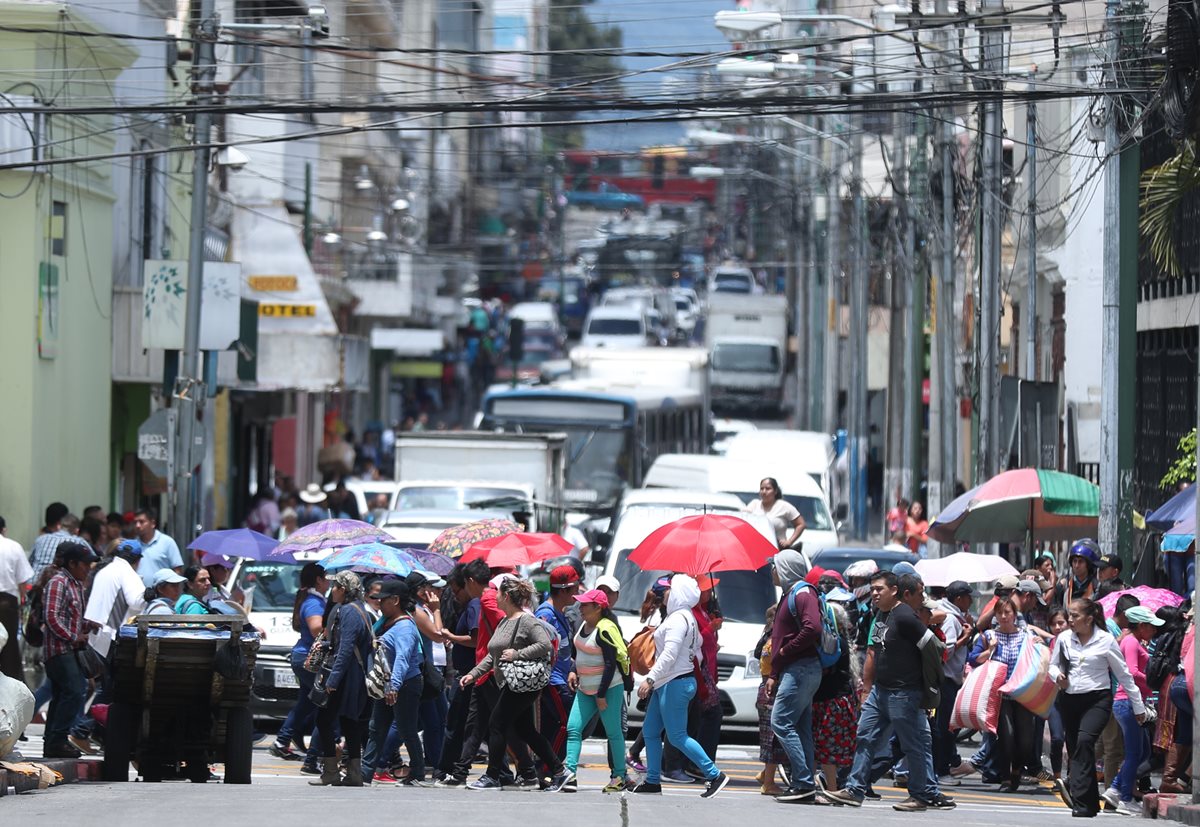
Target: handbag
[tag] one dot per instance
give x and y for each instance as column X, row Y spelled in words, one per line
column 706, row 687
column 434, row 682
column 524, row 675
column 319, row 695
column 641, row 651
column 319, row 652
column 379, row 676
column 90, row 663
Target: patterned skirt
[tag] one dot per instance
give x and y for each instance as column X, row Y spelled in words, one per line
column 769, row 749
column 835, row 728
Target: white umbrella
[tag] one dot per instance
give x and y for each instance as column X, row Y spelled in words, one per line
column 963, row 565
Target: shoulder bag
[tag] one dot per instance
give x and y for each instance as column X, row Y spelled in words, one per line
column 641, row 651
column 318, row 653
column 524, row 675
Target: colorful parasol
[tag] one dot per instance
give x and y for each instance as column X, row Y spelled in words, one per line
column 704, row 543
column 1022, row 505
column 1151, row 598
column 328, row 535
column 428, row 560
column 371, row 558
column 455, row 540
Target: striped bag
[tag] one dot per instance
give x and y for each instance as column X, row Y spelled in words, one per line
column 1030, row 684
column 977, row 706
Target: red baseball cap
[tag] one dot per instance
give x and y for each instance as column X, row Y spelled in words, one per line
column 563, row 577
column 814, row 575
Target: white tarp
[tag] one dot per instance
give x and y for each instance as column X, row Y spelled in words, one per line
column 16, row 707
column 408, row 342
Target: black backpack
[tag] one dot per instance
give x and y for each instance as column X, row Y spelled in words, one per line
column 1165, row 661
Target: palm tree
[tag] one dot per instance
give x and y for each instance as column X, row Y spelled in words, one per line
column 1163, row 189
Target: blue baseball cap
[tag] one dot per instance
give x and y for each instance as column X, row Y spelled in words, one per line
column 134, row 547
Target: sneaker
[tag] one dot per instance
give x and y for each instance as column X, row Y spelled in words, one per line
column 963, row 769
column 507, row 780
column 310, row 768
column 413, row 782
column 63, row 750
column 615, row 785
column 911, row 805
column 1060, row 787
column 715, row 784
column 384, row 777
column 450, row 781
column 528, row 783
column 797, row 795
column 648, row 787
column 635, row 763
column 948, row 781
column 869, row 793
column 484, row 782
column 785, row 772
column 942, row 802
column 678, row 777
column 1130, row 808
column 1111, row 797
column 844, row 797
column 284, row 751
column 696, row 774
column 560, row 781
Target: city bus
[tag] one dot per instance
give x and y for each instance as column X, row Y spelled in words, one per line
column 614, row 431
column 656, row 174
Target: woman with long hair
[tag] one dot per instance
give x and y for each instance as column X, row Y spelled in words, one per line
column 670, row 687
column 783, row 516
column 1083, row 663
column 400, row 705
column 519, row 639
column 1015, row 733
column 308, row 618
column 343, row 680
column 602, row 673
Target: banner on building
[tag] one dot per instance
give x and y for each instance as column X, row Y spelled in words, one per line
column 164, row 304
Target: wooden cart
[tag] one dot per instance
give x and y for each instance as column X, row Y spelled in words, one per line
column 180, row 701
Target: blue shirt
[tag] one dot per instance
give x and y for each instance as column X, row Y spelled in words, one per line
column 312, row 606
column 462, row 656
column 564, row 661
column 403, row 645
column 160, row 553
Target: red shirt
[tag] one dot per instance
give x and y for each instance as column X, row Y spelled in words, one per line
column 64, row 614
column 489, row 618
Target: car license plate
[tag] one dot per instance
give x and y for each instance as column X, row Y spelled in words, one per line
column 286, row 677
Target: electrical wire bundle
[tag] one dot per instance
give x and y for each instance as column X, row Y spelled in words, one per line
column 1179, row 91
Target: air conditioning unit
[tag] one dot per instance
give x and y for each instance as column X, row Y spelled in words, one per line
column 22, row 134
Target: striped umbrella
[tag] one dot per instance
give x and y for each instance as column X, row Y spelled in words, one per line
column 1021, row 505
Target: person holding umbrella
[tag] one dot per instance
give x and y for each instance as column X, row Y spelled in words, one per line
column 670, row 687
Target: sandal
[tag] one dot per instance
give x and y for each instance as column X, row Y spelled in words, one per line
column 770, row 789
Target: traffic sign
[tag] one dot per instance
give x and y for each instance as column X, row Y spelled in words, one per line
column 156, row 443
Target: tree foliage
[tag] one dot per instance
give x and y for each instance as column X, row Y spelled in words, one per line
column 1183, row 468
column 574, row 65
column 1164, row 188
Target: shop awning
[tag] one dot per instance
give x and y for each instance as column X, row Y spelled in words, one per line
column 408, row 341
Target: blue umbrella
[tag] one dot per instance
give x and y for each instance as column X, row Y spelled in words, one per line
column 371, row 557
column 1179, row 507
column 235, row 542
column 1180, row 535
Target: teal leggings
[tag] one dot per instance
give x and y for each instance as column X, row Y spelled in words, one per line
column 582, row 711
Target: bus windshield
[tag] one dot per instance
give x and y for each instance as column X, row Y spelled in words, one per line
column 748, row 358
column 598, row 462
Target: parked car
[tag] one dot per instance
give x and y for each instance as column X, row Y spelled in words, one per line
column 617, row 327
column 731, row 279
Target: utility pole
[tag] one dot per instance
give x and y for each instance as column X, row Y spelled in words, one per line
column 1110, row 420
column 947, row 352
column 188, row 395
column 818, row 279
column 859, row 289
column 831, row 316
column 914, row 380
column 1030, row 312
column 992, row 42
column 897, row 478
column 805, row 268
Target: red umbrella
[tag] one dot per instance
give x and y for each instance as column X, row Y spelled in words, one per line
column 520, row 549
column 703, row 543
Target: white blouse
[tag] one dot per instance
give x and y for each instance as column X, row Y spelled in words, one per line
column 1092, row 666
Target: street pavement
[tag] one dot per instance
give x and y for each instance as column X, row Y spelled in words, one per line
column 281, row 795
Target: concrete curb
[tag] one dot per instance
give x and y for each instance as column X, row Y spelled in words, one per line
column 72, row 770
column 1181, row 809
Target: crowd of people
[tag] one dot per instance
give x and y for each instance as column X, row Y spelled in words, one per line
column 411, row 680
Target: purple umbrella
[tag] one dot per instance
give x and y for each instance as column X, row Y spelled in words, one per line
column 236, row 542
column 431, row 560
column 328, row 535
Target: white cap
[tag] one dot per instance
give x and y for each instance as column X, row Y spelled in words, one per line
column 607, row 581
column 167, row 576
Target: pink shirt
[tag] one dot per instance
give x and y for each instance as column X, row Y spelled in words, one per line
column 1136, row 658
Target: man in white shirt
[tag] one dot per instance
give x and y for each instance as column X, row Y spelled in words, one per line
column 158, row 550
column 117, row 593
column 15, row 572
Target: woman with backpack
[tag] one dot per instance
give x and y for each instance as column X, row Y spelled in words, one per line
column 400, row 655
column 602, row 673
column 308, row 618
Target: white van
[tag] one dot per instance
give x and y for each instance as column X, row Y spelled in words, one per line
column 536, row 315
column 617, row 327
column 741, row 477
column 808, row 451
column 743, row 596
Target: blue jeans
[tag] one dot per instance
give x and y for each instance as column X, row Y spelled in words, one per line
column 668, row 710
column 1137, row 747
column 300, row 719
column 66, row 683
column 1184, row 711
column 899, row 709
column 433, row 726
column 791, row 718
column 1181, row 572
column 406, row 713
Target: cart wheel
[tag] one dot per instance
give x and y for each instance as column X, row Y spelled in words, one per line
column 119, row 736
column 239, row 746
